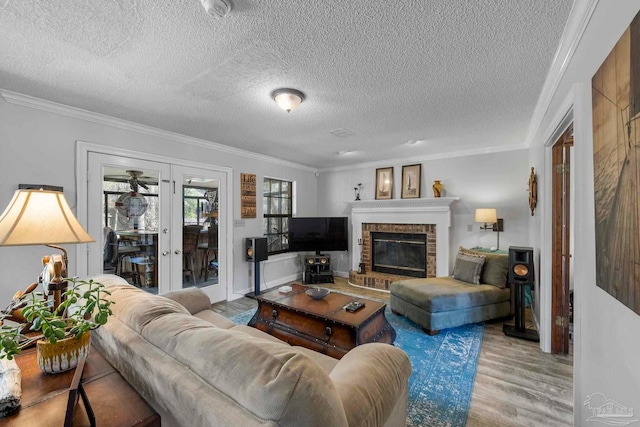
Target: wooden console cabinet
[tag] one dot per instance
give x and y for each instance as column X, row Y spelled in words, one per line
column 44, row 396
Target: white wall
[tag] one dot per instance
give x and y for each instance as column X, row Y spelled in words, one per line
column 488, row 180
column 606, row 345
column 39, row 147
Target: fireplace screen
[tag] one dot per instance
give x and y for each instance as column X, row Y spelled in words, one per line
column 399, row 253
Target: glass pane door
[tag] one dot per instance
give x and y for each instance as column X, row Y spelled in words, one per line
column 199, row 225
column 126, row 218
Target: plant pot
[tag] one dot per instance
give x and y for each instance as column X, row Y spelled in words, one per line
column 63, row 355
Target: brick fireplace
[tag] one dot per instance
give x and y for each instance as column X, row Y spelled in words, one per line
column 429, row 217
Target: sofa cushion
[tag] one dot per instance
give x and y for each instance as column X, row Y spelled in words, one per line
column 267, row 378
column 134, row 307
column 215, row 319
column 327, row 363
column 437, row 294
column 468, row 267
column 193, row 299
column 495, row 268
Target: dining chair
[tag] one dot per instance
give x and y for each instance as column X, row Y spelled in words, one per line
column 209, row 251
column 190, row 237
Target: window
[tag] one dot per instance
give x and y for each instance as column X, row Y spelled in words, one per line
column 277, row 211
column 196, row 208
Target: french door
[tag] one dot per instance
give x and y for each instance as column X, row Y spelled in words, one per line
column 196, row 204
column 141, row 213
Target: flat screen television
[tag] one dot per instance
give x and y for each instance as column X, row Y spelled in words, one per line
column 319, row 234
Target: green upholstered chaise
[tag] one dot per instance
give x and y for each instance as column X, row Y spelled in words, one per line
column 446, row 302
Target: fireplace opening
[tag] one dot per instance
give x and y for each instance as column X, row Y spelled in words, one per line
column 399, row 253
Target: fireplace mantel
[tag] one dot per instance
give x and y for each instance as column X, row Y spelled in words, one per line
column 405, row 204
column 405, row 211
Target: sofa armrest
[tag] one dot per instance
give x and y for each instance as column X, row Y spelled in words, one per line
column 193, row 299
column 370, row 379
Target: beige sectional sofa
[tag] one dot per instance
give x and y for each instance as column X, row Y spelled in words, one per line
column 197, row 368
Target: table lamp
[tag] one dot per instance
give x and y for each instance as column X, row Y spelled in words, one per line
column 43, row 217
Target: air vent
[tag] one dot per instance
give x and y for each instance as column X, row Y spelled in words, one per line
column 341, row 133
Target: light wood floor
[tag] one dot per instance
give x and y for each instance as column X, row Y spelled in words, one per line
column 516, row 384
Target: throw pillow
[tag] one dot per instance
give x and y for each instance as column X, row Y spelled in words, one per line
column 468, row 267
column 495, row 269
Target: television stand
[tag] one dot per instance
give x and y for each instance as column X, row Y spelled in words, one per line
column 323, row 277
column 317, row 269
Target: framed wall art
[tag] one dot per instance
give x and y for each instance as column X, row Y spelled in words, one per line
column 247, row 195
column 616, row 162
column 384, row 183
column 411, row 177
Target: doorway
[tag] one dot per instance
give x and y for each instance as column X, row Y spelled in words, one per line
column 561, row 262
column 157, row 224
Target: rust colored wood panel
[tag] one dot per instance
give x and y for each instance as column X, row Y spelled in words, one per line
column 561, row 250
column 556, row 264
column 566, row 246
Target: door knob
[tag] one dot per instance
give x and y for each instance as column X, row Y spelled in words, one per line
column 165, row 253
column 177, row 251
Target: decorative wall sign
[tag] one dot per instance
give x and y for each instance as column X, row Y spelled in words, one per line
column 411, row 178
column 247, row 195
column 384, row 183
column 616, row 165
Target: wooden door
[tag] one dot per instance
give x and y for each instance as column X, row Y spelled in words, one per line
column 561, row 248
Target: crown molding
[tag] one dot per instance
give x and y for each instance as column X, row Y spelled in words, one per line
column 574, row 29
column 78, row 113
column 435, row 156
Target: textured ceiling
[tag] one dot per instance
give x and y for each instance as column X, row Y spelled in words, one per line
column 456, row 75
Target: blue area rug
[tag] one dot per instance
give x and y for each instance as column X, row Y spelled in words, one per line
column 444, row 369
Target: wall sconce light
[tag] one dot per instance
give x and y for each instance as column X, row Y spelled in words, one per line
column 489, row 217
column 288, row 99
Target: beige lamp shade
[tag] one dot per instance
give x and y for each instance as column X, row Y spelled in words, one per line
column 486, row 215
column 40, row 217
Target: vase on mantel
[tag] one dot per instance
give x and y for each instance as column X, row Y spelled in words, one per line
column 437, row 188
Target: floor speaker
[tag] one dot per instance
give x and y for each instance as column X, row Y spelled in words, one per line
column 521, row 275
column 521, row 269
column 256, row 249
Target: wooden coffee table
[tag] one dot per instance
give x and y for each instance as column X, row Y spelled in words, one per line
column 321, row 325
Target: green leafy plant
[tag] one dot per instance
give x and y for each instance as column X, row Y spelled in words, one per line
column 85, row 307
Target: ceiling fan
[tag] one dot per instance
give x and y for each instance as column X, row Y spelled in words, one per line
column 132, row 204
column 134, row 178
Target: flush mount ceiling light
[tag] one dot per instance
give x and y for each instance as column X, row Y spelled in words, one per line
column 218, row 8
column 287, row 99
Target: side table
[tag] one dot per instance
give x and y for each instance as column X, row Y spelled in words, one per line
column 44, row 396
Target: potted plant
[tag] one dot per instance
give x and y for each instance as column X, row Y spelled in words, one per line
column 65, row 330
